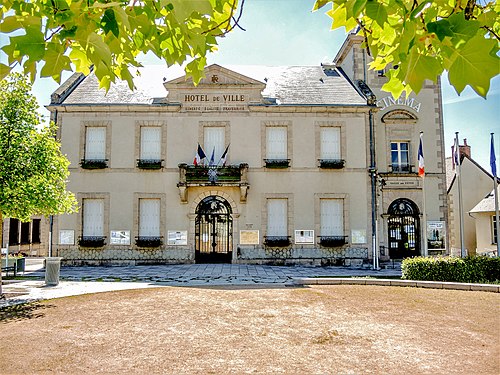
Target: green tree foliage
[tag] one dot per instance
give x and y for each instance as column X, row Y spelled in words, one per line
column 420, row 39
column 33, row 172
column 110, row 35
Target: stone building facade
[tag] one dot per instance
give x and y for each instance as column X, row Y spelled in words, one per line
column 255, row 164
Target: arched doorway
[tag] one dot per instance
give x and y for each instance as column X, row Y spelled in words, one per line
column 213, row 231
column 404, row 233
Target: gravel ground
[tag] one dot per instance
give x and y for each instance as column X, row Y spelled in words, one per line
column 239, row 330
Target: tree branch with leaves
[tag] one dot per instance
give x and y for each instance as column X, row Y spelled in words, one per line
column 110, row 35
column 420, row 39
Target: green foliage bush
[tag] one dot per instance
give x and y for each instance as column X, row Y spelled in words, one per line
column 472, row 269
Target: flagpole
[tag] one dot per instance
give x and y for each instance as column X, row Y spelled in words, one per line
column 424, row 211
column 460, row 205
column 495, row 191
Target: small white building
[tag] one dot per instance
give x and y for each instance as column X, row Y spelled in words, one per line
column 485, row 219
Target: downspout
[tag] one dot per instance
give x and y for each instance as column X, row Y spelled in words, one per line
column 373, row 180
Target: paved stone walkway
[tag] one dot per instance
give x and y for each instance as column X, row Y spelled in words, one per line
column 212, row 274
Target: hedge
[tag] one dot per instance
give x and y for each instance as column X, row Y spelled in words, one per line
column 471, row 269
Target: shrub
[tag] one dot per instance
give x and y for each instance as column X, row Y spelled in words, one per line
column 472, row 269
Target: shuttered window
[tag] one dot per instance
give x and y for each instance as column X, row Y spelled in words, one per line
column 332, row 217
column 150, row 143
column 277, row 217
column 93, row 217
column 95, row 143
column 214, row 139
column 276, row 146
column 330, row 143
column 149, row 217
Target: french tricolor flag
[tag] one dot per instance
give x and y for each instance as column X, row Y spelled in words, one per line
column 421, row 168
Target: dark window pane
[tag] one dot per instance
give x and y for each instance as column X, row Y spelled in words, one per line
column 35, row 231
column 25, row 233
column 14, row 232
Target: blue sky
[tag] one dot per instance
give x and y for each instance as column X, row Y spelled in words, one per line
column 286, row 32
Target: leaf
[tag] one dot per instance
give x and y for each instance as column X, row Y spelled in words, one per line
column 358, row 7
column 462, row 29
column 195, row 69
column 32, row 44
column 376, row 11
column 80, row 59
column 421, row 67
column 441, row 28
column 10, row 24
column 4, row 71
column 475, row 59
column 99, row 49
column 420, row 8
column 320, row 4
column 55, row 63
column 108, row 22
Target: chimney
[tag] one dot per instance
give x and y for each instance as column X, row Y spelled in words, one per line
column 465, row 149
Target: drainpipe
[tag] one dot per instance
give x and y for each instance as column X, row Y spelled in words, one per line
column 373, row 180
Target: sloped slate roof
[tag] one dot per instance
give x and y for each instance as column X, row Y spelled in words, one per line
column 289, row 85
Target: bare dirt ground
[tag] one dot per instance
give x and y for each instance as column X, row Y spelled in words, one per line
column 229, row 330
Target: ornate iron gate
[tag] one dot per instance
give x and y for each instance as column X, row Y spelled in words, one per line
column 404, row 232
column 213, row 231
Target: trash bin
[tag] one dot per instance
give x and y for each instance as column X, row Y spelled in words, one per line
column 52, row 270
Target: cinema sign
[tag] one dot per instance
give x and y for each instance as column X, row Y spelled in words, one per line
column 389, row 101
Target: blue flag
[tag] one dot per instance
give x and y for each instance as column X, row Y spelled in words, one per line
column 212, row 159
column 493, row 159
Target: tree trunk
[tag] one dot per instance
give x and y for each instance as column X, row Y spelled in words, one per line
column 1, row 244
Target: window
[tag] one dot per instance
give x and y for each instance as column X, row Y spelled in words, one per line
column 93, row 223
column 330, row 156
column 277, row 222
column 25, row 233
column 95, row 148
column 14, row 232
column 214, row 142
column 276, row 147
column 149, row 223
column 150, row 153
column 399, row 157
column 332, row 222
column 35, row 231
column 494, row 234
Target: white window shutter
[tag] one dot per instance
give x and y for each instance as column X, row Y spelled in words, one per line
column 95, row 146
column 150, row 143
column 214, row 137
column 330, row 143
column 93, row 217
column 149, row 217
column 277, row 217
column 276, row 138
column 332, row 217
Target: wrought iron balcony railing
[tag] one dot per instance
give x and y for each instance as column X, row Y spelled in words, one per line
column 149, row 241
column 277, row 241
column 331, row 163
column 94, row 163
column 332, row 241
column 277, row 163
column 401, row 168
column 92, row 241
column 149, row 163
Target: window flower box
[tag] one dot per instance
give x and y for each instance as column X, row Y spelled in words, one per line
column 331, row 163
column 148, row 241
column 277, row 241
column 277, row 163
column 149, row 163
column 94, row 163
column 332, row 241
column 92, row 241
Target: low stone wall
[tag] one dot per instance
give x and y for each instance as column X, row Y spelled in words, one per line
column 316, row 256
column 111, row 256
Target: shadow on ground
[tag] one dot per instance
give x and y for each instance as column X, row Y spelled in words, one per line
column 31, row 310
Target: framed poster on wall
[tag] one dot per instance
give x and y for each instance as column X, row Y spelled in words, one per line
column 304, row 237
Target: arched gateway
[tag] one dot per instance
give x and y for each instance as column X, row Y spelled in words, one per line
column 404, row 233
column 213, row 231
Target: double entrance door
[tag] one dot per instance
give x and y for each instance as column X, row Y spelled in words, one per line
column 213, row 231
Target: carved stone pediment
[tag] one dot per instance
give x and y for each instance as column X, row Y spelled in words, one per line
column 399, row 116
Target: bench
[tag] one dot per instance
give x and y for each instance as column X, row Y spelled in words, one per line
column 10, row 268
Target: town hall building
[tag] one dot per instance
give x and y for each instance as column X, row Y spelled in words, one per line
column 255, row 164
